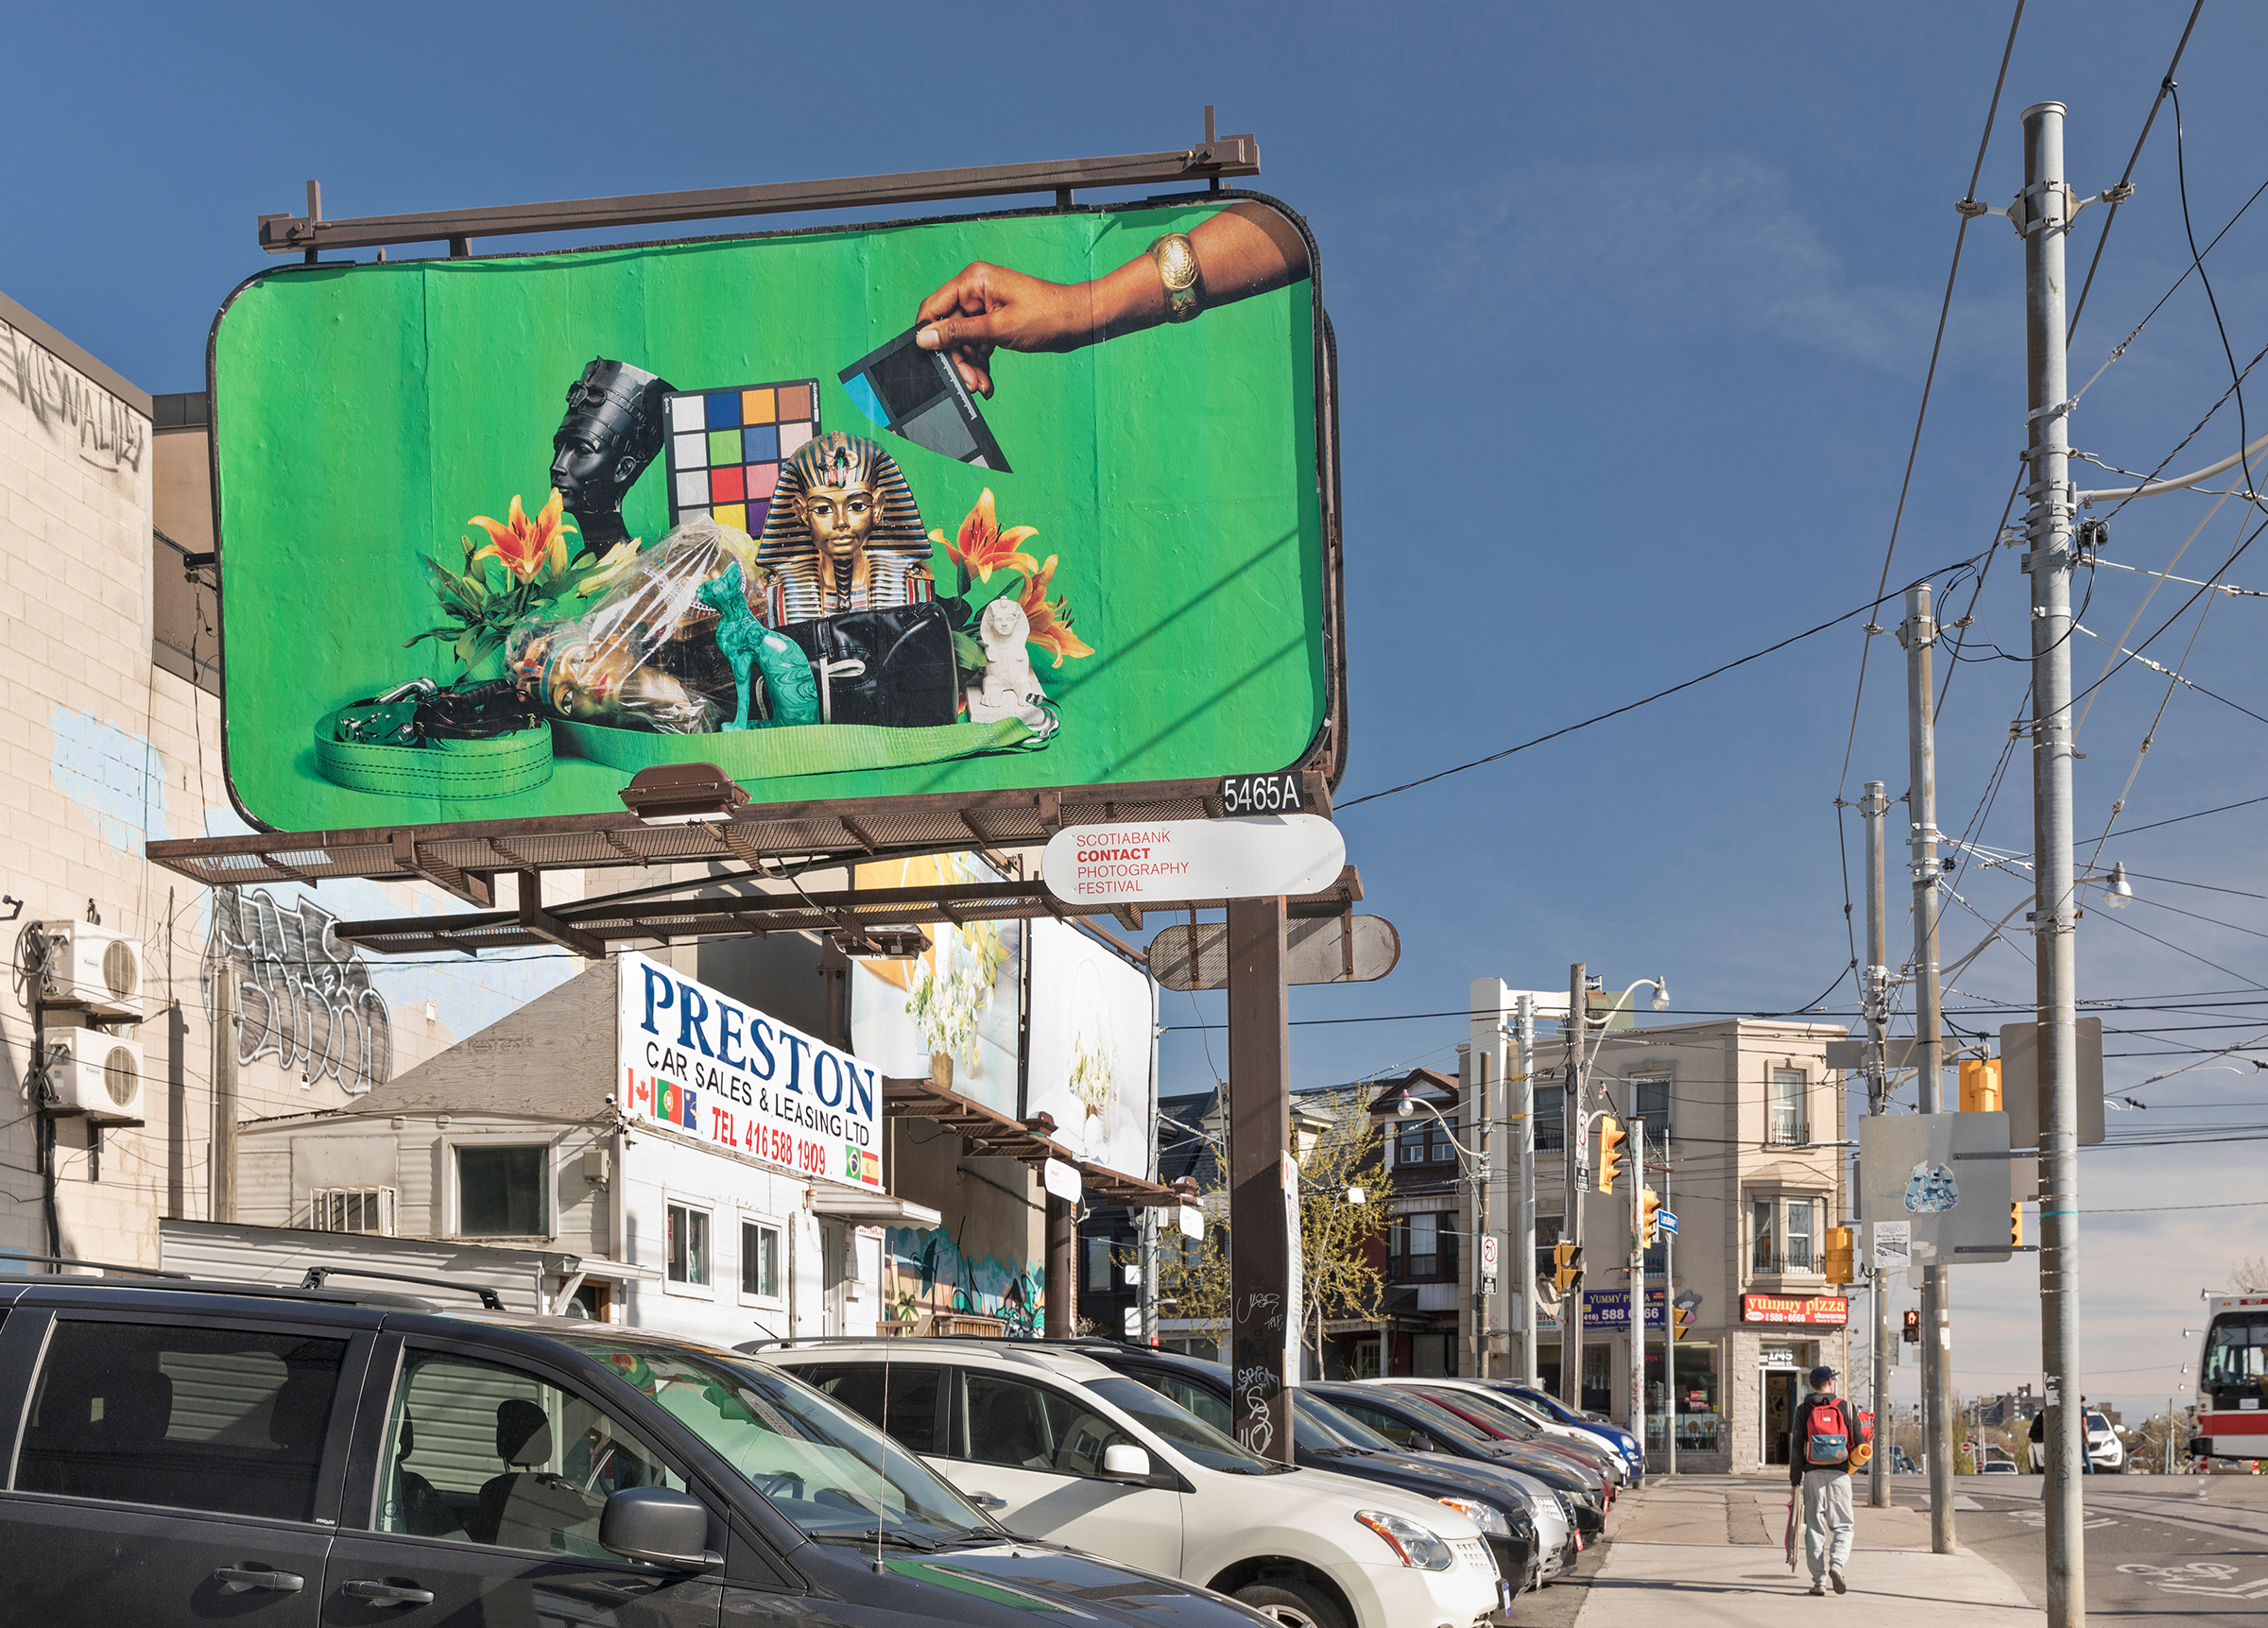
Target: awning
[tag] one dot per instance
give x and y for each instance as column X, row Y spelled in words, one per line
column 993, row 1134
column 853, row 1204
column 614, row 1271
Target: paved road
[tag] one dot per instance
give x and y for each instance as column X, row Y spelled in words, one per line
column 2186, row 1551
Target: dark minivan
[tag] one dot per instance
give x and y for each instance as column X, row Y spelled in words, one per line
column 280, row 1457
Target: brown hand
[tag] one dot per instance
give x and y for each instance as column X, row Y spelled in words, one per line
column 988, row 306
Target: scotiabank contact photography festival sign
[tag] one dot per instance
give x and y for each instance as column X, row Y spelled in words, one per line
column 694, row 1059
column 1006, row 502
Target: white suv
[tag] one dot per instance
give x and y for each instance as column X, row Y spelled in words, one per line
column 2104, row 1447
column 1060, row 1447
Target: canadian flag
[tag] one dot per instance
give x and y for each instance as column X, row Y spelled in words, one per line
column 642, row 1093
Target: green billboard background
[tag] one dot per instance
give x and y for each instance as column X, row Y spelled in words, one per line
column 363, row 414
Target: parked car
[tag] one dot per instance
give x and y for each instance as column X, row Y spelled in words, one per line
column 1415, row 1423
column 2104, row 1448
column 1999, row 1466
column 1064, row 1449
column 205, row 1451
column 1507, row 1512
column 1632, row 1449
column 1507, row 1416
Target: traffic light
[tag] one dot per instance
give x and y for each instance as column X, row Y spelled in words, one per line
column 1649, row 1206
column 1611, row 1156
column 1567, row 1267
column 1913, row 1335
column 1842, row 1263
column 1980, row 1085
column 1681, row 1321
column 2015, row 1224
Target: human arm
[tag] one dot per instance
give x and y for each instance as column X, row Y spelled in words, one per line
column 1247, row 248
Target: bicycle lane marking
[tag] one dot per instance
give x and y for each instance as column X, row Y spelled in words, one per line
column 2206, row 1577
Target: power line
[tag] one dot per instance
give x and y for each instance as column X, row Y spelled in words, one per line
column 1643, row 701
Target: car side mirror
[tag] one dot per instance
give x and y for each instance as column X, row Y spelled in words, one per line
column 659, row 1527
column 1124, row 1461
column 1422, row 1443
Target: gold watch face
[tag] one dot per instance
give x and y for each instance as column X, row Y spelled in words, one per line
column 1177, row 264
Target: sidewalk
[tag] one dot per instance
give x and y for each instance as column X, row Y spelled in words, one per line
column 1710, row 1550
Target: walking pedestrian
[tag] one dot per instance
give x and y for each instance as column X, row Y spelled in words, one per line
column 1825, row 1445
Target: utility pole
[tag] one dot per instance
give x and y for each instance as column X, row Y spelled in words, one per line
column 1669, row 1323
column 1572, row 1159
column 1638, row 1271
column 2044, row 216
column 1523, row 1241
column 1875, row 990
column 1918, row 633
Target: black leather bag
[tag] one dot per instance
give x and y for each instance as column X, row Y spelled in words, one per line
column 893, row 667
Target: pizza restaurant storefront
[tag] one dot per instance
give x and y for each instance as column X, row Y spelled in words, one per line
column 1781, row 1339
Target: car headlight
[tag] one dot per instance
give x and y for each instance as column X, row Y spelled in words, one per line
column 1489, row 1518
column 1412, row 1544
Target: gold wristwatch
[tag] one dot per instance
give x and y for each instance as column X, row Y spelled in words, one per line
column 1177, row 269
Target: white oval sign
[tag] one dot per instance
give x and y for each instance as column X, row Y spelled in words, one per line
column 1164, row 862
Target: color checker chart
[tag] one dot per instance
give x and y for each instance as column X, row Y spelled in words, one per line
column 726, row 448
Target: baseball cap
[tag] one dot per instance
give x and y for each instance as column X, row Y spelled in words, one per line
column 1823, row 1374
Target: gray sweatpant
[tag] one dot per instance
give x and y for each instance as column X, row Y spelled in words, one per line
column 1828, row 1522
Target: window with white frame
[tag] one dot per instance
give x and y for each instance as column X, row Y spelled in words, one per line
column 500, row 1191
column 1799, row 1255
column 760, row 1260
column 688, row 1246
column 1785, row 1108
column 1650, row 1104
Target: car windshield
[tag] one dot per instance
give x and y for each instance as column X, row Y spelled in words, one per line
column 1522, row 1409
column 1436, row 1421
column 822, row 1465
column 1348, row 1430
column 1190, row 1435
column 1497, row 1411
column 2236, row 1352
column 1550, row 1405
column 1479, row 1418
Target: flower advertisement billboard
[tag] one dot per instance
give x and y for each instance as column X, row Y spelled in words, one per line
column 951, row 1013
column 1093, row 1060
column 950, row 506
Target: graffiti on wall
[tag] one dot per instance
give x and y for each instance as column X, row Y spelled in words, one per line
column 302, row 997
column 934, row 1278
column 61, row 400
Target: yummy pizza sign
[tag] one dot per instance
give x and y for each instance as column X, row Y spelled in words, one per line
column 694, row 1059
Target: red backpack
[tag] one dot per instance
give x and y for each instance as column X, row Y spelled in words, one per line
column 1825, row 1447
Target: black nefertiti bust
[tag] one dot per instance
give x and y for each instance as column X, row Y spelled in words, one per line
column 612, row 429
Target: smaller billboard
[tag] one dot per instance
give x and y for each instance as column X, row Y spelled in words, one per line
column 951, row 1013
column 1093, row 1058
column 1831, row 1311
column 1610, row 1308
column 705, row 1067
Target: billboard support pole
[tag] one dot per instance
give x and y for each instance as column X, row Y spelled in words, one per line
column 1261, row 1339
column 1062, row 1267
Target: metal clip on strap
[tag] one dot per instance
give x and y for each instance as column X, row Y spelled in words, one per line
column 827, row 670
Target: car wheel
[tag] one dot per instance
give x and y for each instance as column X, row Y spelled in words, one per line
column 1292, row 1602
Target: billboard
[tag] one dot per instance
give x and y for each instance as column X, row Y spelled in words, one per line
column 696, row 1062
column 1093, row 1050
column 961, row 999
column 949, row 507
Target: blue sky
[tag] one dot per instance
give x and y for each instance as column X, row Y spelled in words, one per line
column 1633, row 307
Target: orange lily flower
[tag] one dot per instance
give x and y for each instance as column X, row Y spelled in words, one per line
column 523, row 545
column 1051, row 622
column 984, row 548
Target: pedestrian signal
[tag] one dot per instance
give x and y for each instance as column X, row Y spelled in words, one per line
column 1913, row 1334
column 2015, row 1224
column 1649, row 1206
column 1611, row 1156
column 1567, row 1267
column 1842, row 1263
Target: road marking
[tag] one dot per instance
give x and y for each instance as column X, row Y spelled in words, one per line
column 2039, row 1518
column 2200, row 1577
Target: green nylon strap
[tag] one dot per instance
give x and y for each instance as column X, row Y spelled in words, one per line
column 794, row 750
column 498, row 768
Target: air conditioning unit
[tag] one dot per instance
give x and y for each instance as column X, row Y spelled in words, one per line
column 90, row 967
column 97, row 1075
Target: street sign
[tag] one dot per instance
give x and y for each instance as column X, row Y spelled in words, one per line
column 1191, row 1222
column 2019, row 1087
column 1488, row 1255
column 1261, row 793
column 1610, row 1308
column 1945, row 1175
column 1583, row 1140
column 1849, row 1055
column 1317, row 949
column 1893, row 1244
column 1168, row 861
column 1133, row 1322
column 1665, row 1221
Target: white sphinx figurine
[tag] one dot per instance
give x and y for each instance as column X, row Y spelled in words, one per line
column 1011, row 689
